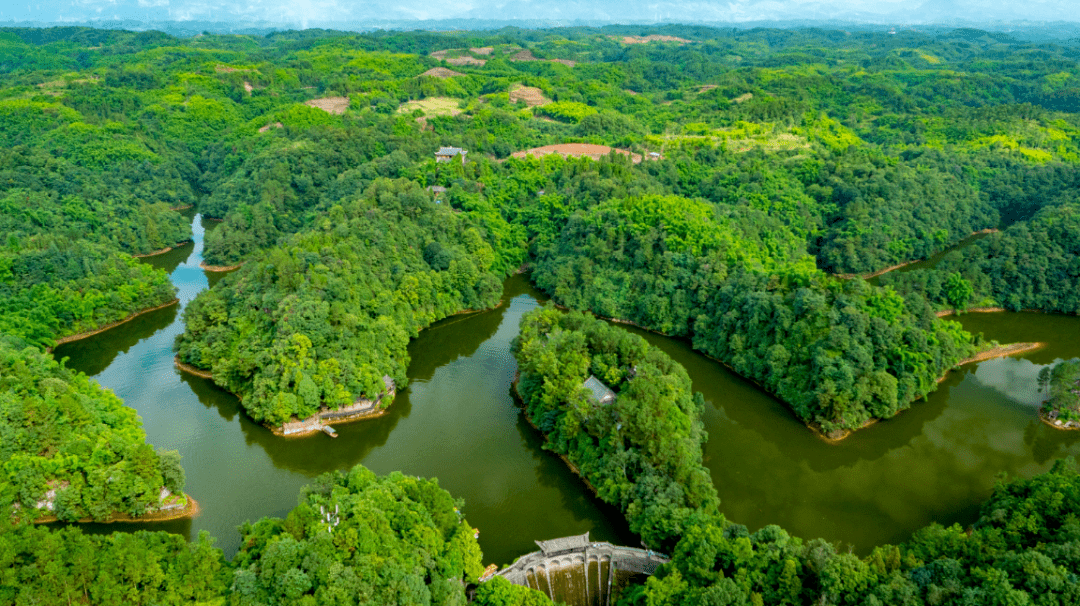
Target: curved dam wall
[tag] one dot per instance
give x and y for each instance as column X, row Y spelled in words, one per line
column 581, row 573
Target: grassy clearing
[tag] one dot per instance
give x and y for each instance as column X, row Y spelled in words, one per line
column 432, row 106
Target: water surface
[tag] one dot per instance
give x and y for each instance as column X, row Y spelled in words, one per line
column 457, row 421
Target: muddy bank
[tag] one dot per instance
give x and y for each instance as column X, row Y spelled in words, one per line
column 189, row 510
column 217, row 268
column 90, row 333
column 974, row 310
column 1058, row 423
column 163, row 250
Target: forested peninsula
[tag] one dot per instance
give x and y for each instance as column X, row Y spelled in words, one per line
column 761, row 169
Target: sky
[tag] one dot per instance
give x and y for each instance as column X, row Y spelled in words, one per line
column 327, row 13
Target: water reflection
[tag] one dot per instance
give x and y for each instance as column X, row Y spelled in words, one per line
column 455, row 421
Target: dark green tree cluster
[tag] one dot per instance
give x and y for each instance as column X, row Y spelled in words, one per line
column 1033, row 264
column 51, row 287
column 838, row 353
column 71, row 449
column 1024, row 550
column 321, row 319
column 41, row 565
column 358, row 538
column 1061, row 384
column 641, row 452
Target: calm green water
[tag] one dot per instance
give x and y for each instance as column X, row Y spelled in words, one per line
column 457, row 421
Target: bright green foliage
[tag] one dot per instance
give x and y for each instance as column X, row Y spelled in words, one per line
column 642, row 452
column 358, row 538
column 1061, row 384
column 70, row 444
column 320, row 320
column 52, row 287
column 567, row 111
column 39, row 565
column 500, row 592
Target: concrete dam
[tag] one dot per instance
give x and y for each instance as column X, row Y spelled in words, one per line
column 580, row 572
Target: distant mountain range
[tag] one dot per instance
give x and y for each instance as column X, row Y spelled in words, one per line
column 252, row 15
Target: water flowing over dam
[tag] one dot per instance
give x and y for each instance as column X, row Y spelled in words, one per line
column 579, row 572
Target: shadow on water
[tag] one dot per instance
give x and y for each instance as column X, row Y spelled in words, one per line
column 457, row 421
column 92, row 356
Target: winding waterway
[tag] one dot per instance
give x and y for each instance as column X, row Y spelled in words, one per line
column 457, row 421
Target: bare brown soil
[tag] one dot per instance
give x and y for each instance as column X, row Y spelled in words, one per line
column 531, row 95
column 976, row 310
column 743, row 97
column 576, row 150
column 523, row 55
column 441, row 54
column 466, row 60
column 1000, row 351
column 191, row 370
column 248, row 87
column 269, row 126
column 330, row 105
column 566, row 62
column 225, row 69
column 650, row 38
column 163, row 250
column 190, row 511
column 90, row 333
column 206, row 267
column 482, row 50
column 441, row 72
column 182, row 207
column 706, row 87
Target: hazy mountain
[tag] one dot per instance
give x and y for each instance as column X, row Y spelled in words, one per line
column 342, row 13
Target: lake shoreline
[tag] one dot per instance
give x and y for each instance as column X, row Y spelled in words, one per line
column 219, row 268
column 317, row 421
column 883, row 271
column 190, row 510
column 574, row 468
column 163, row 250
column 90, row 333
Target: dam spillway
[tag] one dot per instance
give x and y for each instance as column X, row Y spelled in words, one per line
column 580, row 572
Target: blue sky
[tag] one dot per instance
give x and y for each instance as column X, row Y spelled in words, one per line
column 328, row 12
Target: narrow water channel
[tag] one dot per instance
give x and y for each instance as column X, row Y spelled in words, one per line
column 457, row 421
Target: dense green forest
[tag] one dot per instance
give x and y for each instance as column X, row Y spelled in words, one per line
column 786, row 161
column 1059, row 383
column 71, row 449
column 641, row 452
column 319, row 320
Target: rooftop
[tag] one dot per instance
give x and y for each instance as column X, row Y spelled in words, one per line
column 601, row 392
column 564, row 544
column 450, row 151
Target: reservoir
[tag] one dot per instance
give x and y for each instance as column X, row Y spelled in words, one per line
column 457, row 421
